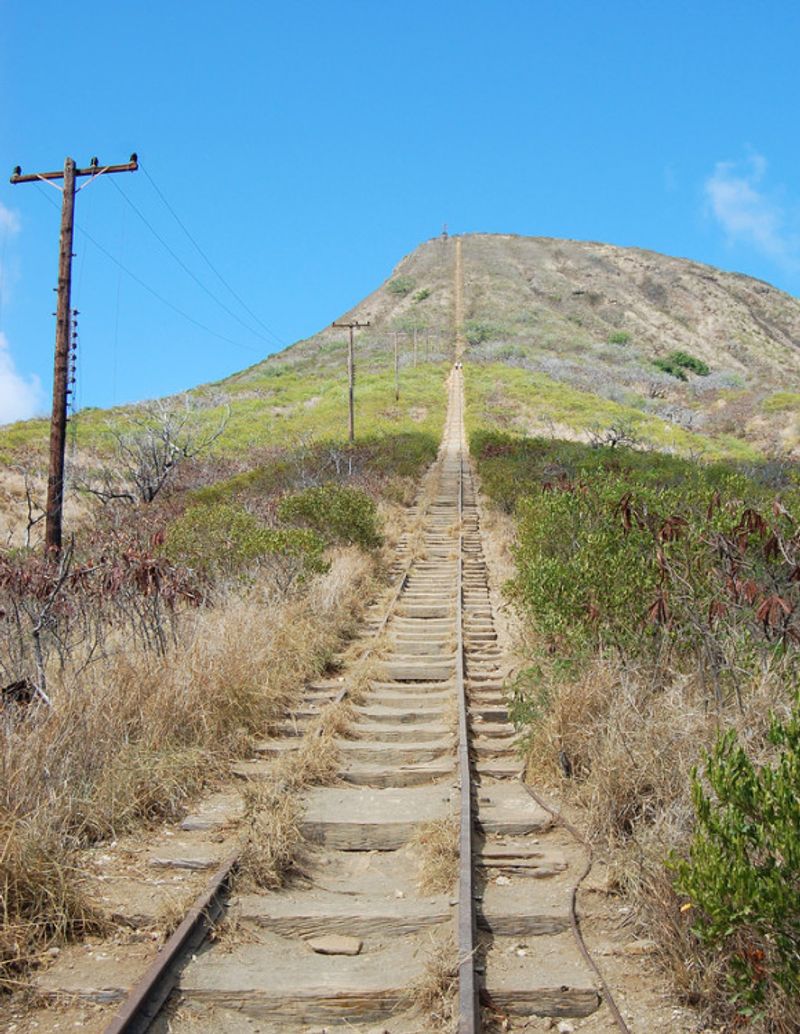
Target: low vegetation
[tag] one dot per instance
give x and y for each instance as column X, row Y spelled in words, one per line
column 660, row 599
column 435, row 846
column 678, row 364
column 336, row 513
column 516, row 399
column 400, row 285
column 131, row 737
column 175, row 628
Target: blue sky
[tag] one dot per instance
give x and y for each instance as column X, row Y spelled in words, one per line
column 307, row 147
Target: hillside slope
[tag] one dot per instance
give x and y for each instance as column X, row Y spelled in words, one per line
column 566, row 335
column 593, row 318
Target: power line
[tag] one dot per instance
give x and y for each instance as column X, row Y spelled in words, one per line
column 208, row 261
column 185, row 268
column 152, row 290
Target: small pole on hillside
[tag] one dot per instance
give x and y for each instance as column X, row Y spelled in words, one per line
column 396, row 370
column 351, row 373
column 58, row 420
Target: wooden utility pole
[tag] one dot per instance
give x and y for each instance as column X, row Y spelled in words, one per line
column 58, row 420
column 396, row 370
column 351, row 373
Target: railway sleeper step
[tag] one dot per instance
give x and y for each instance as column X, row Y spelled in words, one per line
column 349, row 819
column 479, row 710
column 402, row 732
column 418, row 715
column 320, row 912
column 418, row 671
column 549, row 980
column 500, row 769
column 494, row 747
column 389, row 754
column 501, row 849
column 431, row 648
column 280, row 979
column 381, row 777
column 426, row 610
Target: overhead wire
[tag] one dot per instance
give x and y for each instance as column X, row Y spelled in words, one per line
column 208, row 261
column 87, row 212
column 3, row 248
column 115, row 345
column 152, row 290
column 184, row 267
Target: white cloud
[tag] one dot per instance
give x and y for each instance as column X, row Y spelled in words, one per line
column 9, row 220
column 747, row 213
column 20, row 398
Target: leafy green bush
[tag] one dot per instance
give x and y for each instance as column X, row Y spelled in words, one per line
column 628, row 548
column 397, row 455
column 677, row 363
column 619, row 337
column 743, row 872
column 478, row 331
column 401, row 285
column 420, row 296
column 222, row 539
column 338, row 514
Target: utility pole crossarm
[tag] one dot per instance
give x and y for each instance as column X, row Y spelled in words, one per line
column 93, row 169
column 351, row 325
column 58, row 420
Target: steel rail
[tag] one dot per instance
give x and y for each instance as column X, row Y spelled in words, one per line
column 468, row 1007
column 148, row 995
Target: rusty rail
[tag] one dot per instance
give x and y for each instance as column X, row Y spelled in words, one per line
column 469, row 1021
column 146, row 998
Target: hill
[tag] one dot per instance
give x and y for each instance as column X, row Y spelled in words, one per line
column 593, row 323
column 560, row 336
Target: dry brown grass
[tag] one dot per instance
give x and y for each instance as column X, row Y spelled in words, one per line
column 134, row 737
column 631, row 748
column 435, row 848
column 273, row 833
column 273, row 809
column 433, row 995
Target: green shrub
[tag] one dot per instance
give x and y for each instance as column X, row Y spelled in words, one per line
column 401, row 285
column 743, row 872
column 397, row 455
column 619, row 337
column 677, row 363
column 782, row 402
column 630, row 549
column 478, row 331
column 345, row 515
column 222, row 539
column 420, row 296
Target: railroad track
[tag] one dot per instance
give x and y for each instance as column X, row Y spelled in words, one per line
column 354, row 944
